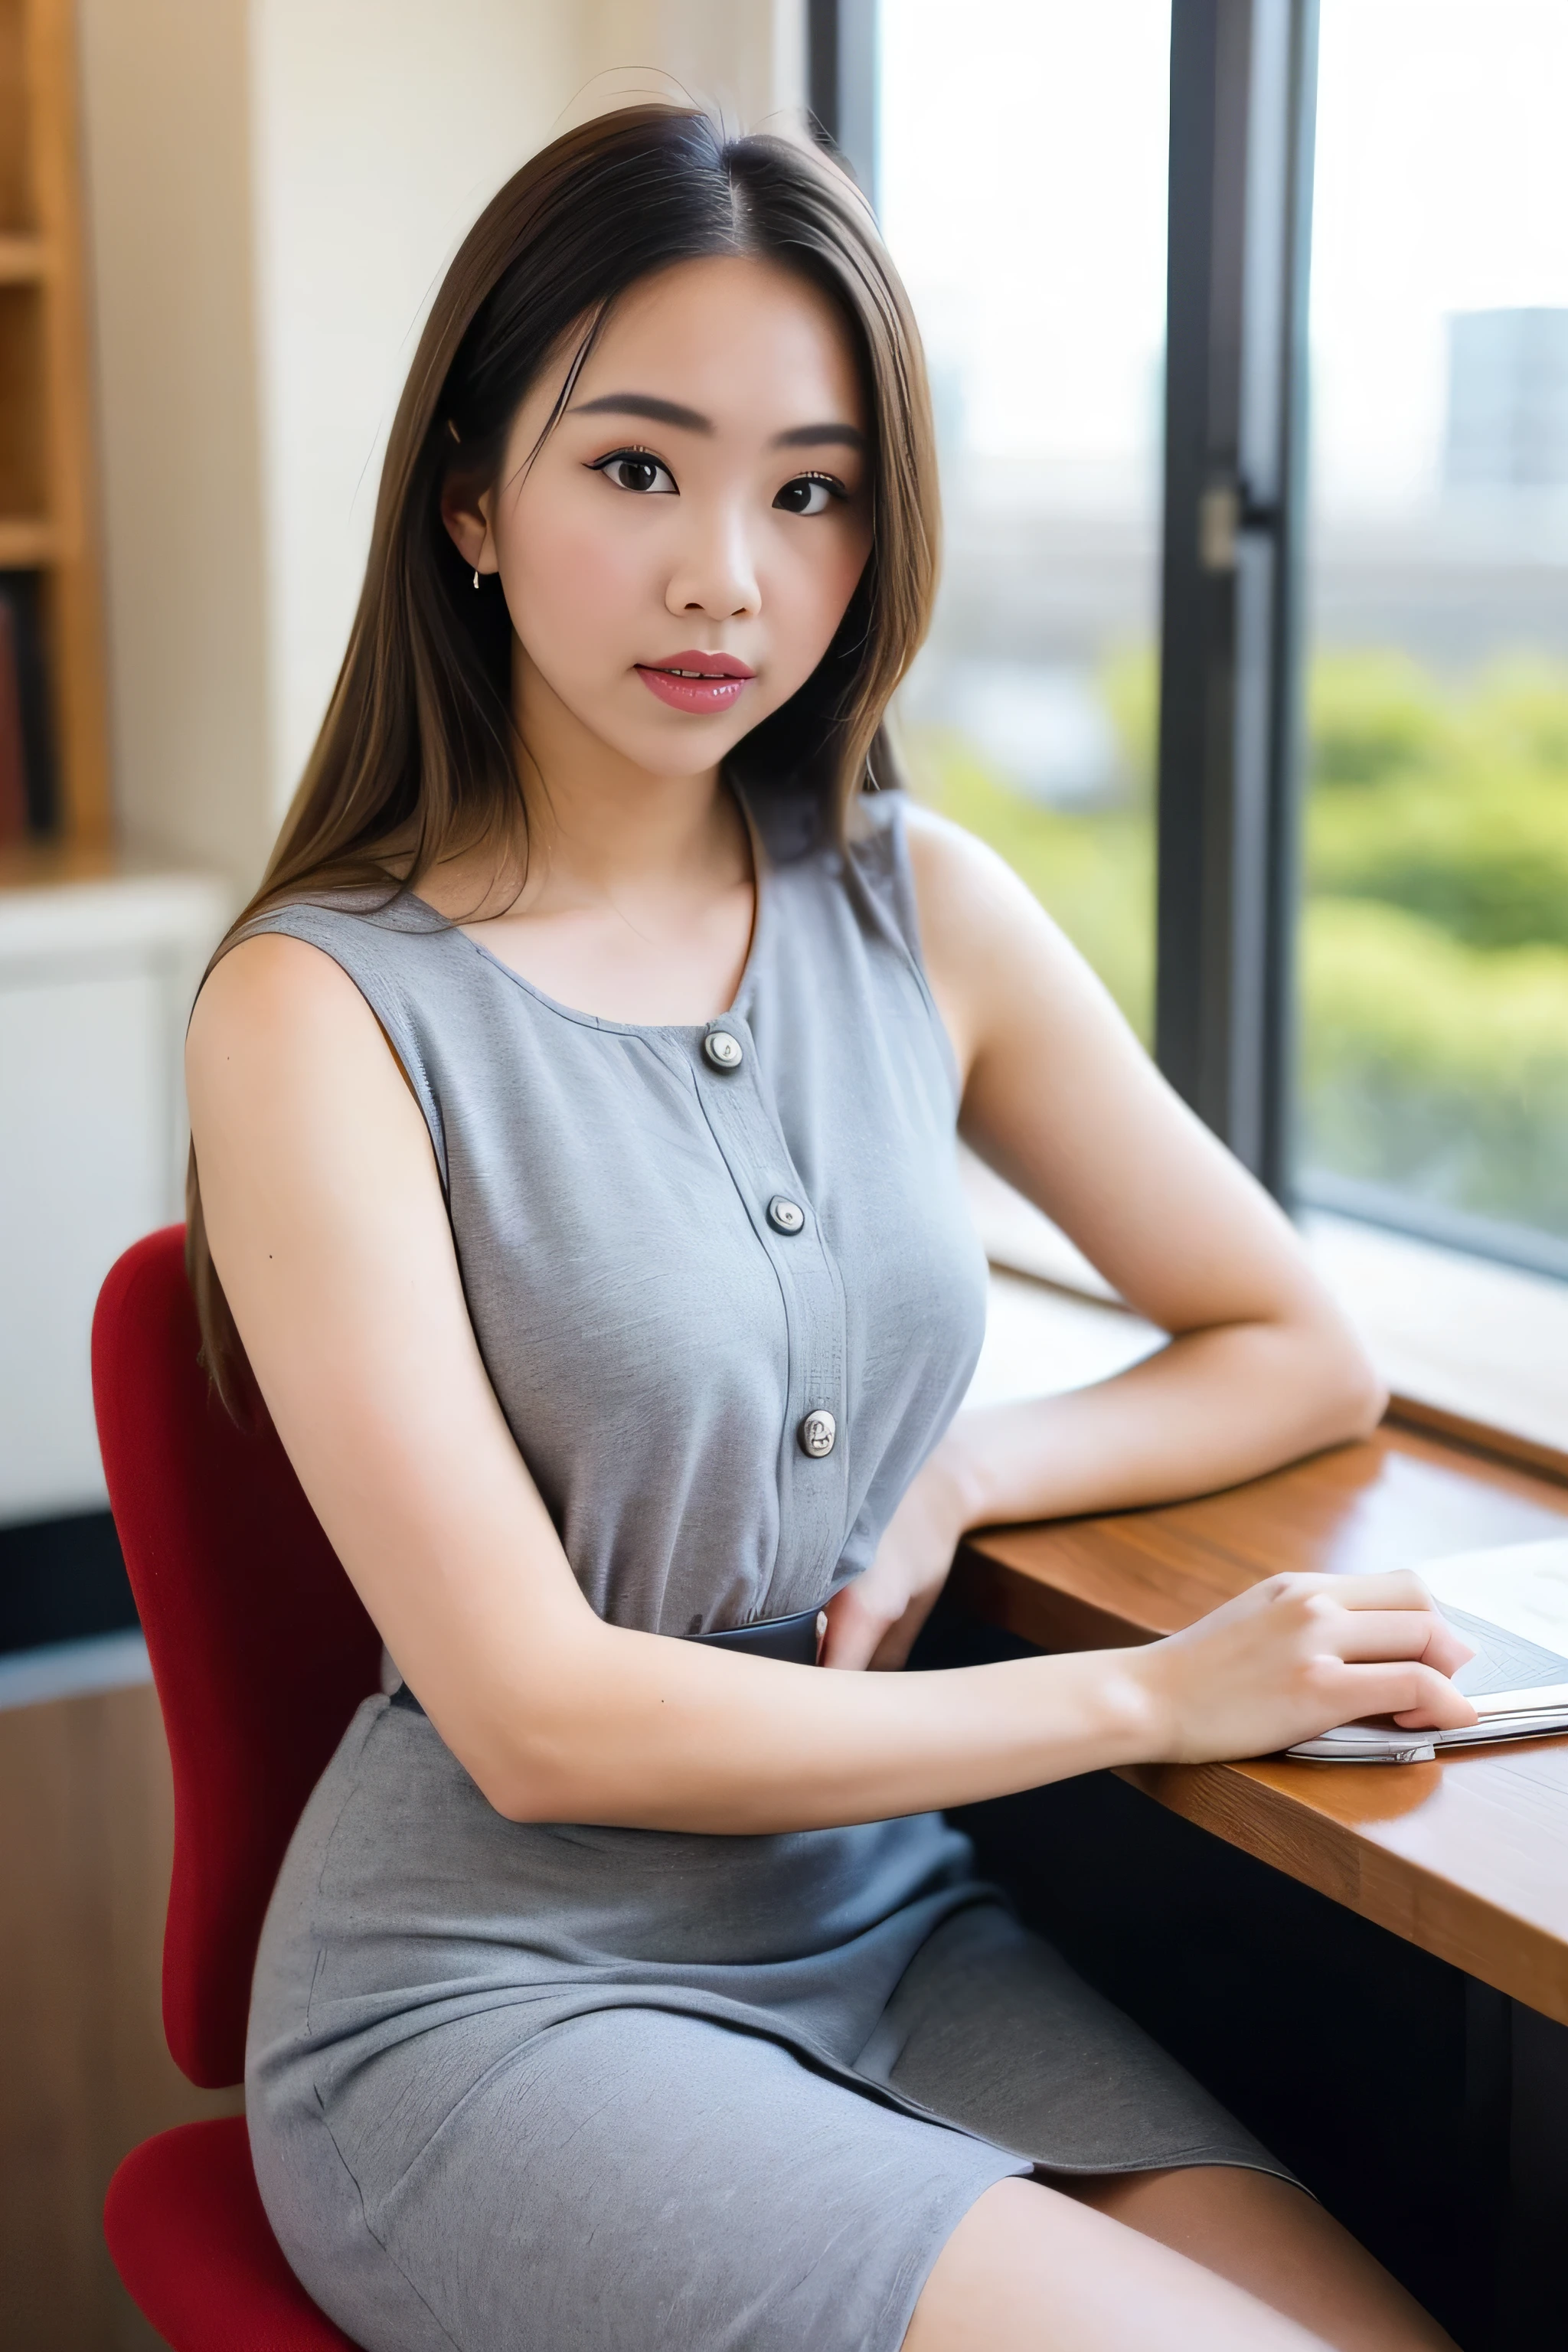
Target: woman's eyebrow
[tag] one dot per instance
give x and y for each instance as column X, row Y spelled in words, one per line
column 817, row 436
column 643, row 405
column 654, row 411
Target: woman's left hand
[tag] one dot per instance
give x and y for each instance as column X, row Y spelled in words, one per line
column 874, row 1621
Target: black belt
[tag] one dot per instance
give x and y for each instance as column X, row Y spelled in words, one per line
column 793, row 1639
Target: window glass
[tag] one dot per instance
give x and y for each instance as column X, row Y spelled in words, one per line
column 1023, row 162
column 1435, row 941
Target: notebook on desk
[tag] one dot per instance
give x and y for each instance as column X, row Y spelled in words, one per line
column 1511, row 1606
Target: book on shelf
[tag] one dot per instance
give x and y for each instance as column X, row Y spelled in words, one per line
column 28, row 799
column 12, row 755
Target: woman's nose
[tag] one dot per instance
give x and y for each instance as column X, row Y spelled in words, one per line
column 717, row 575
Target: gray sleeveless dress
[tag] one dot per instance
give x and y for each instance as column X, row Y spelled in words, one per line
column 563, row 2088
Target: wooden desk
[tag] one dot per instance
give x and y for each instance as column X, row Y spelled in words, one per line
column 1467, row 1857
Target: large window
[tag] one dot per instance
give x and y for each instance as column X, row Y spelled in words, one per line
column 1022, row 187
column 1434, row 972
column 1276, row 728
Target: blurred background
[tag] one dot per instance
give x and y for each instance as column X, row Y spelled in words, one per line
column 1247, row 322
column 1433, row 986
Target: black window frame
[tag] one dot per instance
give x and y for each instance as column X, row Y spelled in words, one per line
column 842, row 64
column 1243, row 106
column 1229, row 786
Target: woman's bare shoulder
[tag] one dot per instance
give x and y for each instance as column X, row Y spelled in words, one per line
column 973, row 906
column 987, row 942
column 279, row 1024
column 942, row 852
column 267, row 985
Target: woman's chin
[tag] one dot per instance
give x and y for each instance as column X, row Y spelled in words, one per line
column 676, row 745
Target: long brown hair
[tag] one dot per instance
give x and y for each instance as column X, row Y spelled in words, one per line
column 418, row 757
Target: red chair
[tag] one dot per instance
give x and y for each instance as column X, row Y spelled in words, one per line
column 260, row 1653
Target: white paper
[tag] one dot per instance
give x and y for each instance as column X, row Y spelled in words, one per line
column 1523, row 1587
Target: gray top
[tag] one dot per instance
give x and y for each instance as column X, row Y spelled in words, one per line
column 658, row 1343
column 525, row 2086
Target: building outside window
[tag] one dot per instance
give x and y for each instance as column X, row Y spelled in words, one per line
column 1433, row 949
column 1028, row 213
column 1026, row 204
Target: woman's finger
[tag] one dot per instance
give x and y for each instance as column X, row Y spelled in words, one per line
column 1417, row 1697
column 853, row 1632
column 1391, row 1588
column 1447, row 1651
column 897, row 1639
column 1364, row 1634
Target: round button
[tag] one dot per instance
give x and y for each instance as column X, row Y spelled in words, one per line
column 725, row 1053
column 818, row 1433
column 785, row 1216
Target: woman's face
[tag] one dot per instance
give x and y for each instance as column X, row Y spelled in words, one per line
column 677, row 558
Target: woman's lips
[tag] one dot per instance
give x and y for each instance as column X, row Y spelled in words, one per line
column 697, row 682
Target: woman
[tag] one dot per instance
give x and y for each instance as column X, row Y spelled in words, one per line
column 574, row 1114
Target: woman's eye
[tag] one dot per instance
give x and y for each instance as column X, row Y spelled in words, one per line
column 808, row 494
column 633, row 469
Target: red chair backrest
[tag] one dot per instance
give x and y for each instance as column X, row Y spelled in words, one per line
column 260, row 1647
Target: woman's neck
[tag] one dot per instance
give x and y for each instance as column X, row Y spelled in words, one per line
column 631, row 895
column 600, row 829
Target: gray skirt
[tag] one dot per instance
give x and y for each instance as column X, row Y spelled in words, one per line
column 565, row 2089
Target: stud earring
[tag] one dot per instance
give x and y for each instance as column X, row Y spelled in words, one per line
column 476, row 575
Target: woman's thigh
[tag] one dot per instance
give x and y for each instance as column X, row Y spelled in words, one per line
column 1213, row 2259
column 630, row 2177
column 1273, row 2239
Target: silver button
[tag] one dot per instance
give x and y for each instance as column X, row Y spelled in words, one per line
column 785, row 1216
column 725, row 1053
column 818, row 1434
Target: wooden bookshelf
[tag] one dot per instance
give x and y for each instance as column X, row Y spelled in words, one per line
column 47, row 491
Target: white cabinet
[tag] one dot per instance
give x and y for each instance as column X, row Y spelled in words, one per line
column 96, row 985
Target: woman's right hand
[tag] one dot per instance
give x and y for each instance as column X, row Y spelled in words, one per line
column 1296, row 1655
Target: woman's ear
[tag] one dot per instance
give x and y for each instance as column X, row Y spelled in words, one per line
column 465, row 511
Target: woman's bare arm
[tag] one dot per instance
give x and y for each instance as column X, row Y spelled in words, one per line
column 1061, row 1099
column 330, row 1237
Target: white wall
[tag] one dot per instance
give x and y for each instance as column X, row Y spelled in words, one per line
column 95, row 983
column 166, row 159
column 747, row 57
column 380, row 128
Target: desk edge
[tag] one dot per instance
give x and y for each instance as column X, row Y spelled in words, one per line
column 1234, row 1803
